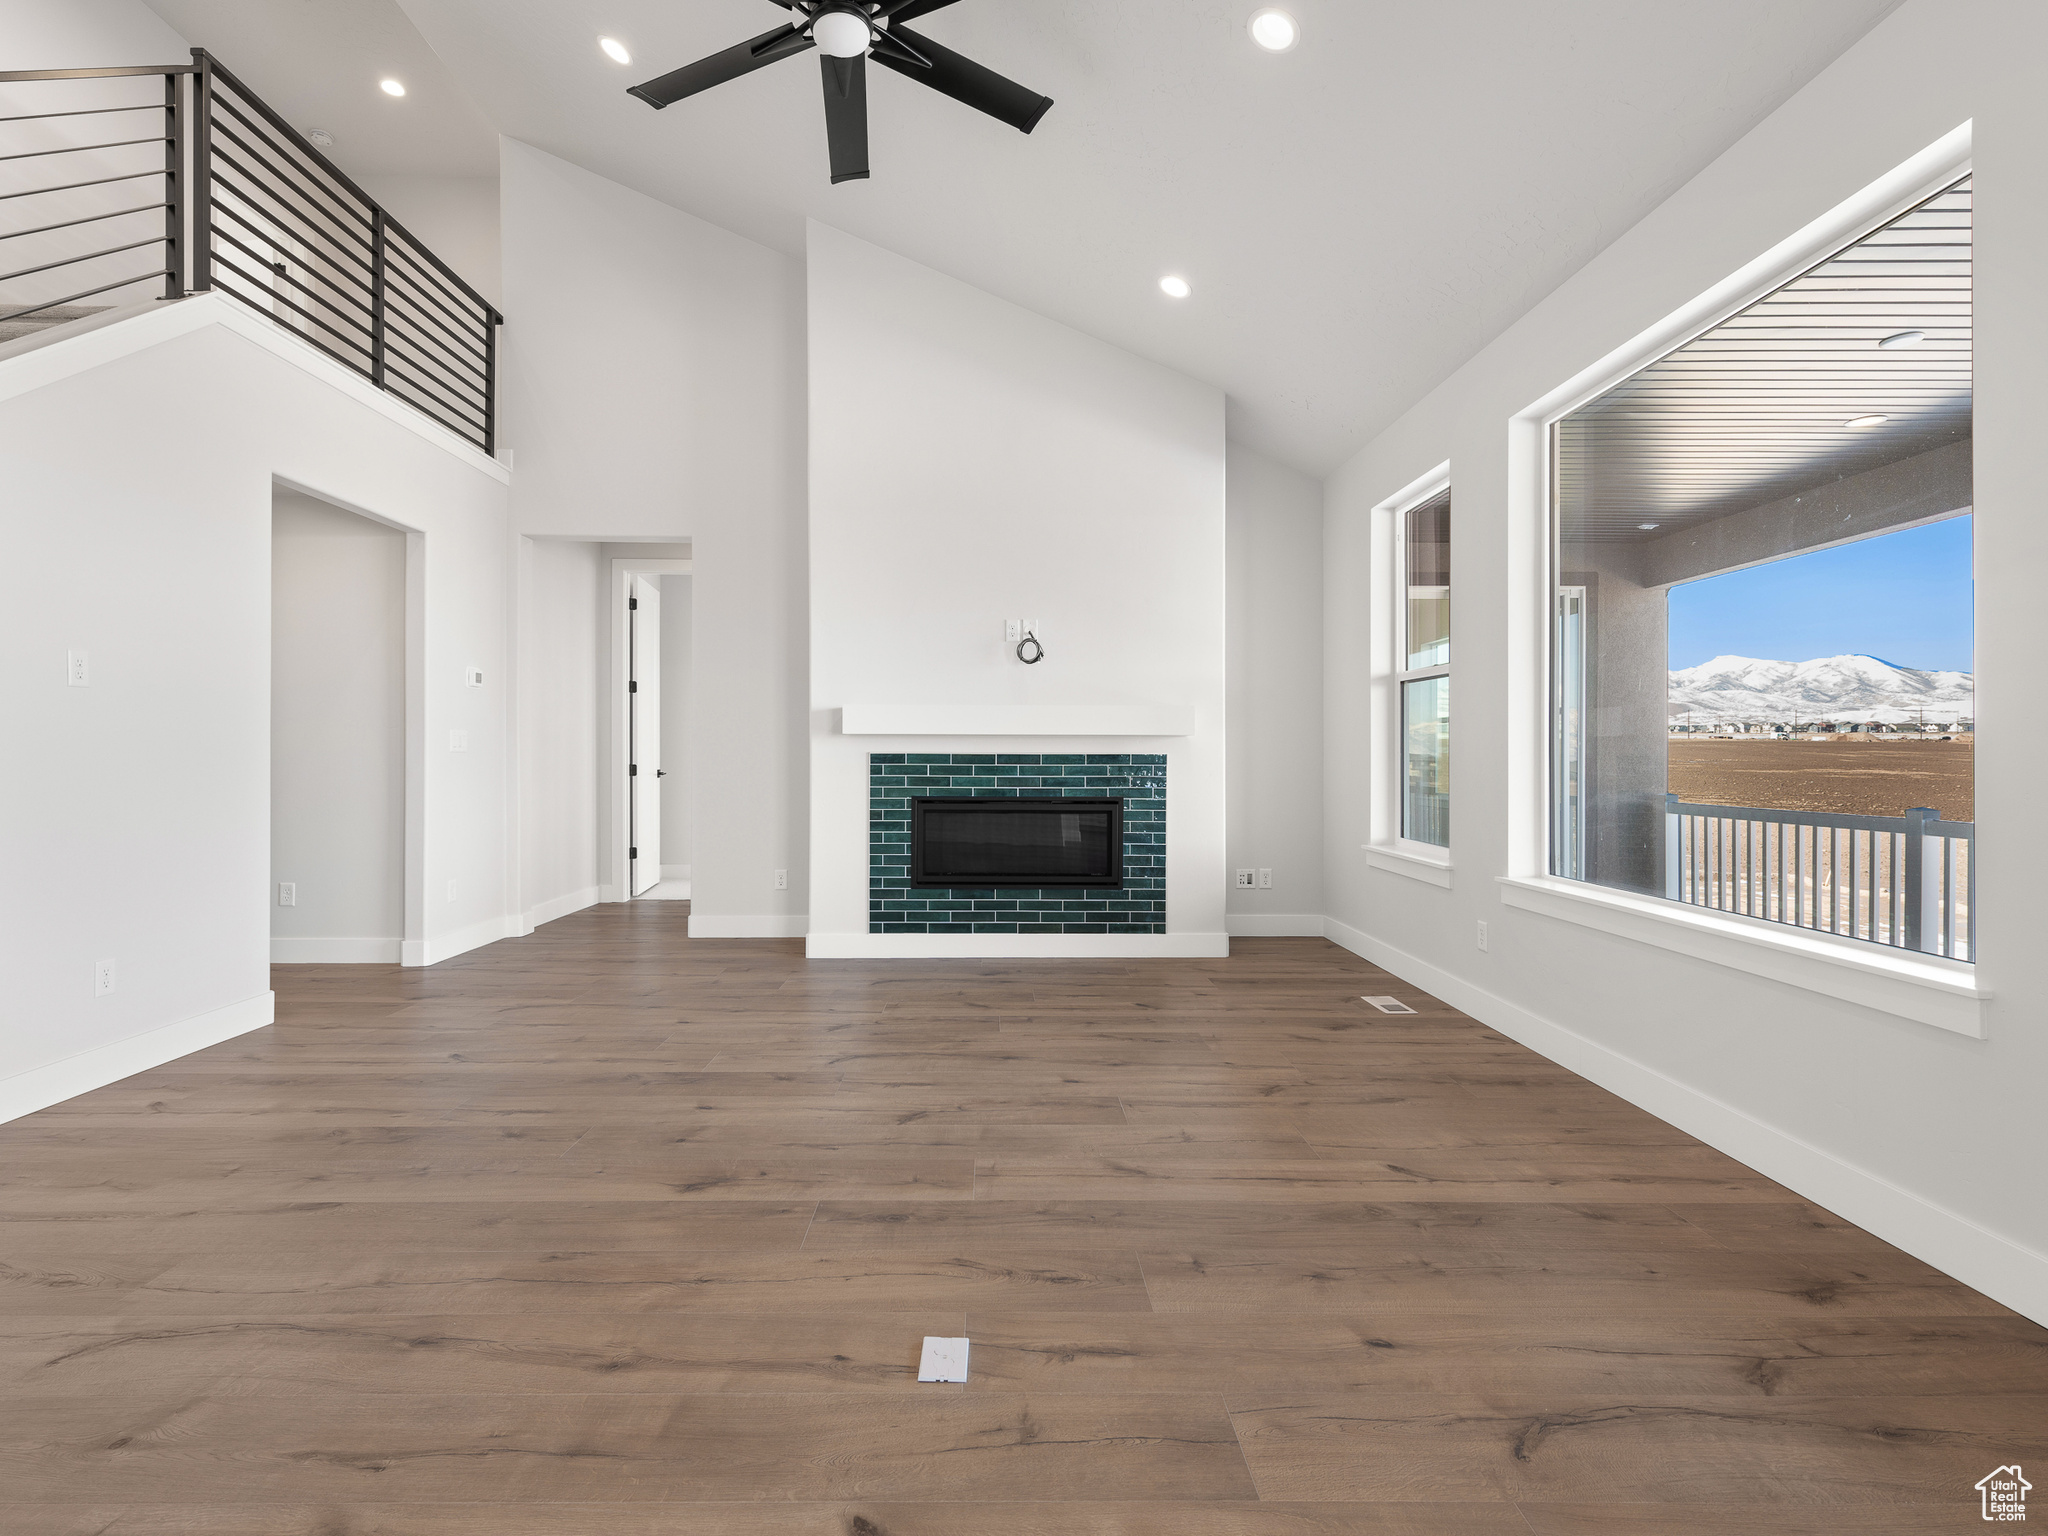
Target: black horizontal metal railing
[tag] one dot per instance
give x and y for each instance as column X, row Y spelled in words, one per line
column 255, row 212
column 138, row 247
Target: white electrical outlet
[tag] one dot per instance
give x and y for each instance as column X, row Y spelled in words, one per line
column 782, row 879
column 287, row 893
column 80, row 669
column 1013, row 630
column 102, row 977
column 1482, row 935
column 458, row 741
column 451, row 890
column 1265, row 879
column 943, row 1360
column 1247, row 879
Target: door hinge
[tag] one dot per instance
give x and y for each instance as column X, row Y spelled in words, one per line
column 632, row 687
column 633, row 853
column 632, row 603
column 632, row 770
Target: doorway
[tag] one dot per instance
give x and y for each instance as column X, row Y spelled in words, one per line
column 337, row 734
column 652, row 674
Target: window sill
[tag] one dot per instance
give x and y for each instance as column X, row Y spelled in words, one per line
column 1416, row 866
column 1924, row 988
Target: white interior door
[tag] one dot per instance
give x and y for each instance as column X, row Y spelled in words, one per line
column 643, row 730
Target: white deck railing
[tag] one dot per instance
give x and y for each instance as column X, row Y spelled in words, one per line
column 1907, row 881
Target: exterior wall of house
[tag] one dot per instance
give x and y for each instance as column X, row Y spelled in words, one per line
column 1932, row 1139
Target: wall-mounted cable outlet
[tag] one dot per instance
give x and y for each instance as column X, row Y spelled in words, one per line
column 1247, row 879
column 782, row 879
column 287, row 893
column 1482, row 935
column 102, row 977
column 1265, row 879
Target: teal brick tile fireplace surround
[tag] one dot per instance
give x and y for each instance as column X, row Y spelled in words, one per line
column 1136, row 778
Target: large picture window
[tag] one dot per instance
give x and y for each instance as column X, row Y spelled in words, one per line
column 1423, row 651
column 1762, row 634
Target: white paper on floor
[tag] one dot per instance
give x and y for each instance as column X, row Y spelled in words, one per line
column 944, row 1360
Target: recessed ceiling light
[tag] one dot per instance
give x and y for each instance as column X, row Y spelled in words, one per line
column 615, row 50
column 1904, row 339
column 1646, row 527
column 1274, row 31
column 1175, row 287
column 392, row 88
column 1866, row 421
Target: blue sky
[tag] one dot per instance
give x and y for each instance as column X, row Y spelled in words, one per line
column 1906, row 597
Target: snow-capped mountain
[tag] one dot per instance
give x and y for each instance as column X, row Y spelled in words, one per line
column 1832, row 688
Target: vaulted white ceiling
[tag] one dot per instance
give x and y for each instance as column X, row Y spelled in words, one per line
column 1357, row 216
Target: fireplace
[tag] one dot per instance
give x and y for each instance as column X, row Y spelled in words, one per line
column 1014, row 841
column 1074, row 888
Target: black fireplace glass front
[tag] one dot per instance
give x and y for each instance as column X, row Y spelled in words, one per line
column 962, row 841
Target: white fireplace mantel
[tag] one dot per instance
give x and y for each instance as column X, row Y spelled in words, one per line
column 1016, row 720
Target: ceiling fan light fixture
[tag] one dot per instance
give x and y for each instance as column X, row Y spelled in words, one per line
column 391, row 87
column 1274, row 30
column 842, row 34
column 615, row 50
column 1175, row 287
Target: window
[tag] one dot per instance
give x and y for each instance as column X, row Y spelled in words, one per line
column 1423, row 682
column 1762, row 627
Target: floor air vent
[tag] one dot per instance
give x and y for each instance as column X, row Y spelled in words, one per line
column 1389, row 1005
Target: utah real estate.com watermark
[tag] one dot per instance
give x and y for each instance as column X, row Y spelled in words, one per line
column 2005, row 1495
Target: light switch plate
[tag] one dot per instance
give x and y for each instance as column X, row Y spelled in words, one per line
column 943, row 1360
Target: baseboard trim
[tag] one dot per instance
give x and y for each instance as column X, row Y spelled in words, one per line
column 1274, row 925
column 40, row 1087
column 1016, row 946
column 447, row 946
column 2008, row 1272
column 773, row 927
column 335, row 951
column 561, row 906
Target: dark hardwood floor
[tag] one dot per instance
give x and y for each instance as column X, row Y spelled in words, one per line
column 606, row 1232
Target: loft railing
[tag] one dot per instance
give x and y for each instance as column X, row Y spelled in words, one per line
column 1908, row 881
column 232, row 200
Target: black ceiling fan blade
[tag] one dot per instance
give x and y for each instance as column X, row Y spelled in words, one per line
column 730, row 64
column 910, row 10
column 846, row 117
column 961, row 78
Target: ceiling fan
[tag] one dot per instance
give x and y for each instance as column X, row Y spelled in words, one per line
column 848, row 33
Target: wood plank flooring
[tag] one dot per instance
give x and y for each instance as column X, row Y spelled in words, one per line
column 605, row 1232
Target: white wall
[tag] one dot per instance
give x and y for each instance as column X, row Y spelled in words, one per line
column 455, row 216
column 678, row 736
column 1933, row 1140
column 1020, row 469
column 137, row 819
column 564, row 663
column 1274, row 630
column 654, row 390
column 337, row 733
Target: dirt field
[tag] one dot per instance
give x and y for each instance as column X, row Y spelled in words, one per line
column 1859, row 778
